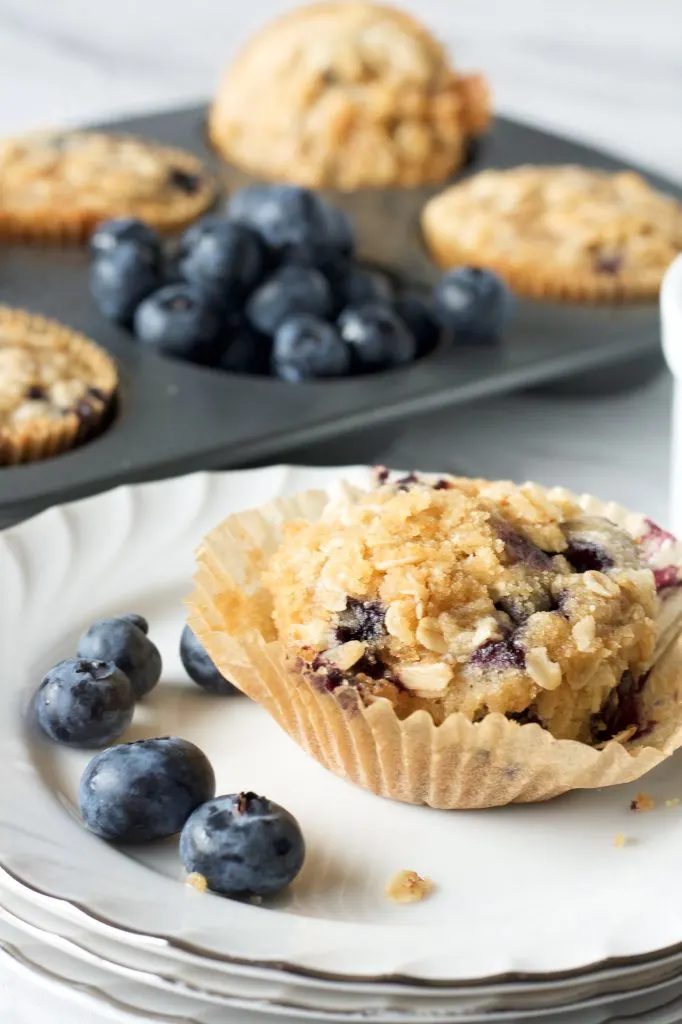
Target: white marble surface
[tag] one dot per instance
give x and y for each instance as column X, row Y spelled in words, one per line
column 609, row 72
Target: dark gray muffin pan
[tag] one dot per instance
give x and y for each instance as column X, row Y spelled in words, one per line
column 173, row 418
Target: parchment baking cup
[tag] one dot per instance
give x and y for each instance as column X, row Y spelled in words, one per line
column 61, row 224
column 458, row 764
column 44, row 437
column 538, row 280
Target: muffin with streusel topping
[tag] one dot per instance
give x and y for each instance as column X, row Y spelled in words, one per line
column 454, row 642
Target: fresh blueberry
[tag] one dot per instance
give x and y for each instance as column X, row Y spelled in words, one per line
column 180, row 322
column 121, row 278
column 340, row 230
column 473, row 303
column 418, row 314
column 137, row 620
column 200, row 668
column 245, row 350
column 223, row 259
column 121, row 641
column 306, row 348
column 145, row 790
column 243, row 845
column 290, row 219
column 362, row 286
column 109, row 234
column 290, row 290
column 376, row 336
column 85, row 703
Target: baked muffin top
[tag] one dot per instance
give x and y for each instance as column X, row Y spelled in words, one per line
column 347, row 95
column 567, row 223
column 470, row 596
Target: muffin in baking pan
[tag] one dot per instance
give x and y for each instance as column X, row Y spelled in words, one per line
column 347, row 96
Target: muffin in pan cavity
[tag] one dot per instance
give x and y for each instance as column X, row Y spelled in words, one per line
column 565, row 232
column 57, row 387
column 55, row 186
column 347, row 96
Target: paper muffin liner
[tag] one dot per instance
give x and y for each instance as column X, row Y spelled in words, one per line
column 458, row 764
column 540, row 281
column 44, row 437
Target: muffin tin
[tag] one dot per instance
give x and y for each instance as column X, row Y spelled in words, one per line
column 174, row 417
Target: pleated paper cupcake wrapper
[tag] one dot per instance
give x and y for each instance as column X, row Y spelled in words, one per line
column 537, row 281
column 458, row 764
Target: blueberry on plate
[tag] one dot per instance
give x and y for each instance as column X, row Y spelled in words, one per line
column 290, row 290
column 123, row 642
column 245, row 351
column 243, row 845
column 224, row 259
column 179, row 321
column 200, row 668
column 85, row 703
column 419, row 316
column 472, row 303
column 136, row 792
column 340, row 230
column 121, row 278
column 362, row 285
column 137, row 620
column 306, row 348
column 376, row 336
column 109, row 234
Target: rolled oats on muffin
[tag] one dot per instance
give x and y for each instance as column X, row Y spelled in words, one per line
column 347, row 95
column 564, row 232
column 57, row 387
column 56, row 186
column 454, row 642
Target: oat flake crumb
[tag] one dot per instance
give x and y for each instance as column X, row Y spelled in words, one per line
column 408, row 887
column 643, row 802
column 620, row 840
column 673, row 802
column 197, row 881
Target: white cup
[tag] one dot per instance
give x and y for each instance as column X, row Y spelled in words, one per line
column 671, row 336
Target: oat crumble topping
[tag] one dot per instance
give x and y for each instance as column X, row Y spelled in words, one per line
column 408, row 887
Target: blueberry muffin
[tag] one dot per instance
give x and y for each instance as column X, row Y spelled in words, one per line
column 454, row 642
column 56, row 387
column 347, row 96
column 562, row 232
column 56, row 186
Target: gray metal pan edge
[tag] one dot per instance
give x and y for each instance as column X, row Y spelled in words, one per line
column 174, row 417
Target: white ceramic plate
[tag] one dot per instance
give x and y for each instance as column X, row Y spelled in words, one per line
column 523, row 889
column 82, row 990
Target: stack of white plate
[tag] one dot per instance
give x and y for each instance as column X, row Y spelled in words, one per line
column 536, row 913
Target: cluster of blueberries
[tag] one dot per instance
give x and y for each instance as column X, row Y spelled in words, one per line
column 241, row 844
column 273, row 286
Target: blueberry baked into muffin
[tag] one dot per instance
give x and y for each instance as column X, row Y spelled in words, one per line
column 56, row 186
column 564, row 232
column 347, row 95
column 451, row 641
column 57, row 387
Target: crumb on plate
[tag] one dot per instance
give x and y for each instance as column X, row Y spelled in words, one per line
column 643, row 802
column 673, row 802
column 619, row 840
column 408, row 887
column 197, row 881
